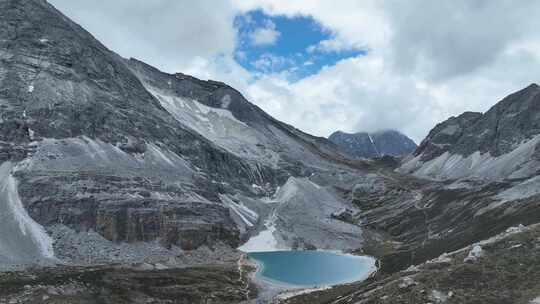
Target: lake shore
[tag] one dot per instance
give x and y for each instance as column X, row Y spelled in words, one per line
column 270, row 289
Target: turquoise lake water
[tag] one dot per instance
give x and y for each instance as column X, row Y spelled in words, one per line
column 312, row 268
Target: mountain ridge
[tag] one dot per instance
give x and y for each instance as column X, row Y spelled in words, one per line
column 146, row 183
column 498, row 144
column 373, row 144
column 111, row 145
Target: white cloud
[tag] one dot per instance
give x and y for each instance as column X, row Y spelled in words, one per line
column 269, row 63
column 426, row 61
column 368, row 93
column 356, row 23
column 356, row 94
column 452, row 38
column 331, row 45
column 169, row 34
column 266, row 35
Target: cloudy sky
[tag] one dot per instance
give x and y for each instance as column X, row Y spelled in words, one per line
column 335, row 65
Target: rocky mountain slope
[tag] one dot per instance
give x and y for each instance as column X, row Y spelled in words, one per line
column 476, row 175
column 452, row 232
column 96, row 143
column 377, row 144
column 498, row 144
column 107, row 162
column 120, row 182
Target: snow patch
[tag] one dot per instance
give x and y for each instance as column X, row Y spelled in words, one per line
column 21, row 238
column 265, row 241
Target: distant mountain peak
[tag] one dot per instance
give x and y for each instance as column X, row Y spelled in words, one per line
column 373, row 144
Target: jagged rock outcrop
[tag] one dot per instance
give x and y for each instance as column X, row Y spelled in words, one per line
column 499, row 131
column 501, row 143
column 446, row 134
column 377, row 144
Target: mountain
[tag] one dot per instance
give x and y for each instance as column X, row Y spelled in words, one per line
column 501, row 143
column 377, row 144
column 480, row 171
column 465, row 202
column 106, row 160
column 120, row 183
column 462, row 209
column 98, row 151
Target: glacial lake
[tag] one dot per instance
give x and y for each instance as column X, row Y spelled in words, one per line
column 311, row 268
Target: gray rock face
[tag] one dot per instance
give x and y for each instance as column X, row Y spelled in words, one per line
column 100, row 144
column 305, row 218
column 222, row 115
column 501, row 144
column 100, row 152
column 509, row 123
column 446, row 134
column 107, row 160
column 377, row 144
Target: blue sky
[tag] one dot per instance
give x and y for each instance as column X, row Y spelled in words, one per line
column 280, row 44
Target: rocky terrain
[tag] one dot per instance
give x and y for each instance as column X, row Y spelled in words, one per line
column 208, row 284
column 502, row 269
column 377, row 144
column 94, row 142
column 496, row 145
column 449, row 219
column 108, row 164
column 123, row 184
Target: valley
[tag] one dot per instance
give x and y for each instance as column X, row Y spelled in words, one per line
column 120, row 183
